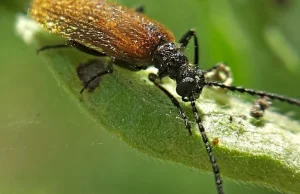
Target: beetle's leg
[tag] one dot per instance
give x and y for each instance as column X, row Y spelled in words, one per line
column 77, row 45
column 154, row 79
column 47, row 47
column 185, row 40
column 85, row 49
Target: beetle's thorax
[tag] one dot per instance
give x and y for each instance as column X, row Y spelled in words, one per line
column 168, row 59
column 171, row 61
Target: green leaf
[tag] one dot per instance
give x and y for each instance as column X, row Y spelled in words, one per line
column 264, row 152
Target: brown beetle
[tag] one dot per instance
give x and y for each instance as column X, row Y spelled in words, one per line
column 134, row 41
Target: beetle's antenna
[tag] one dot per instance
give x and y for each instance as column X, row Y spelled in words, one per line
column 255, row 92
column 208, row 148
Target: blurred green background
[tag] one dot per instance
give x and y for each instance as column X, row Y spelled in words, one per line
column 48, row 146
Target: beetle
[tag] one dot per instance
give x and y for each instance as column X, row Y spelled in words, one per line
column 134, row 41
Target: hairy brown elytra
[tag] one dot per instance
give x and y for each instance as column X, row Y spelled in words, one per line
column 134, row 41
column 103, row 26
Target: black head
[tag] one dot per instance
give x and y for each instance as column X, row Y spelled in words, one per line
column 190, row 83
column 170, row 61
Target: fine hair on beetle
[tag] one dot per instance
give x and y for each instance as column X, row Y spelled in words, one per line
column 133, row 41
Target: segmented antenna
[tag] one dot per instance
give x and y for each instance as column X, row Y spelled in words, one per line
column 208, row 148
column 255, row 93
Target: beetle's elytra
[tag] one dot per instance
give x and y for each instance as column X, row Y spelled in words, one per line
column 104, row 26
